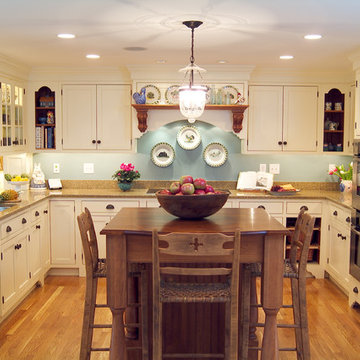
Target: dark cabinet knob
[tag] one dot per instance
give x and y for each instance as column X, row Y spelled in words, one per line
column 280, row 142
column 355, row 290
column 94, row 141
column 348, row 219
column 99, row 141
column 8, row 228
column 261, row 207
column 23, row 221
column 17, row 246
column 45, row 211
column 285, row 142
column 339, row 235
column 304, row 207
column 110, row 207
column 343, row 237
column 37, row 213
column 335, row 213
column 37, row 226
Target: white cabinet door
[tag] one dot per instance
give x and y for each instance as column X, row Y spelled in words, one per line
column 62, row 232
column 34, row 249
column 339, row 251
column 8, row 283
column 357, row 108
column 265, row 118
column 45, row 239
column 300, row 118
column 113, row 117
column 96, row 117
column 79, row 117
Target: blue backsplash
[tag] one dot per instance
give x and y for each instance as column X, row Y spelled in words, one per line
column 293, row 167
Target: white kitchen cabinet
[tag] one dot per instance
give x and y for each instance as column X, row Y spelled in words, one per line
column 338, row 258
column 62, row 232
column 282, row 118
column 34, row 244
column 357, row 107
column 96, row 117
column 15, row 276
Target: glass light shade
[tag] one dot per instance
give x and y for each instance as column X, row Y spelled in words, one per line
column 192, row 101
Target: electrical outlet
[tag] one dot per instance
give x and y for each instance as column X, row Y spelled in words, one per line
column 56, row 168
column 332, row 167
column 274, row 168
column 262, row 167
column 88, row 168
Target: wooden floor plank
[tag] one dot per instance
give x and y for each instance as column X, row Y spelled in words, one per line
column 47, row 325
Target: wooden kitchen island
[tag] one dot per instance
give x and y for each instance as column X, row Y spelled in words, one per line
column 128, row 240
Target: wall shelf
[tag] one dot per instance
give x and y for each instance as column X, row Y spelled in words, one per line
column 142, row 113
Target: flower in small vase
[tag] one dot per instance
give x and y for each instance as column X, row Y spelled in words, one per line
column 342, row 173
column 126, row 173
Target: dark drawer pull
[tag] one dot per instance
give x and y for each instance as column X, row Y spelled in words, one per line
column 343, row 238
column 110, row 207
column 94, row 141
column 37, row 226
column 99, row 141
column 37, row 213
column 8, row 228
column 261, row 207
column 335, row 213
column 23, row 221
column 45, row 211
column 285, row 142
column 348, row 219
column 339, row 235
column 304, row 207
column 280, row 142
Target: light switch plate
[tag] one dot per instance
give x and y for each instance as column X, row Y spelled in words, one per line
column 88, row 168
column 274, row 168
column 262, row 167
column 56, row 168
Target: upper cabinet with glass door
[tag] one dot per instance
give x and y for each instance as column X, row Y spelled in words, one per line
column 12, row 117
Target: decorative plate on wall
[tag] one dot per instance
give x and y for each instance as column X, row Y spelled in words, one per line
column 232, row 91
column 189, row 137
column 162, row 154
column 152, row 94
column 172, row 94
column 215, row 154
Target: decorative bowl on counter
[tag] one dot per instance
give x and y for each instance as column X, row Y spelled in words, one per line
column 193, row 206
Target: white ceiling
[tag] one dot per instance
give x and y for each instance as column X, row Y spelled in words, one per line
column 242, row 32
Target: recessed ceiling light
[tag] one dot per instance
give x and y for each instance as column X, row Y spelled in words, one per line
column 65, row 36
column 313, row 36
column 161, row 61
column 286, row 57
column 222, row 61
column 93, row 56
column 134, row 48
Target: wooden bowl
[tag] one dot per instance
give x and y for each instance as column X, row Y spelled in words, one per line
column 192, row 206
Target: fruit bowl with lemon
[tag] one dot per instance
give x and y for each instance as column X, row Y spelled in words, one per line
column 17, row 180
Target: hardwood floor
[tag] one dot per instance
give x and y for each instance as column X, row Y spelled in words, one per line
column 47, row 325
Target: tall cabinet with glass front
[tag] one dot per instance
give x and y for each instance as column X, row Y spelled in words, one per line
column 12, row 116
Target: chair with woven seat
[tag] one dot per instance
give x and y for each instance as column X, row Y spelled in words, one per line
column 200, row 248
column 95, row 269
column 295, row 270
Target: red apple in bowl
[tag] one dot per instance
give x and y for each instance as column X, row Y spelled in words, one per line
column 175, row 187
column 200, row 183
column 185, row 179
column 199, row 192
column 187, row 189
column 209, row 189
column 165, row 192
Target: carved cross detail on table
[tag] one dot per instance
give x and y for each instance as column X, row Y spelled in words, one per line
column 196, row 244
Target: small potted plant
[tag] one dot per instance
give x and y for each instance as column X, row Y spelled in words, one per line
column 125, row 176
column 344, row 175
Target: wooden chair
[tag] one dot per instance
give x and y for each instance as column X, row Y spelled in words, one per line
column 295, row 269
column 199, row 248
column 95, row 269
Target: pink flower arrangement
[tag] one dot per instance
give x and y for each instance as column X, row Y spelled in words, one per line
column 127, row 173
column 342, row 173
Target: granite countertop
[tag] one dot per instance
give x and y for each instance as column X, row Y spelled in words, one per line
column 31, row 197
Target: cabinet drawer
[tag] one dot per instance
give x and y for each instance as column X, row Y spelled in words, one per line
column 14, row 225
column 339, row 214
column 108, row 206
column 295, row 207
column 270, row 207
column 152, row 203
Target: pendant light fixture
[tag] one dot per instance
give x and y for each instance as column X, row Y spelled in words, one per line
column 192, row 98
